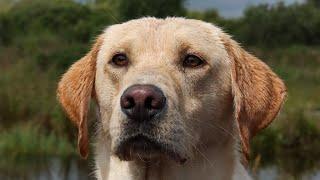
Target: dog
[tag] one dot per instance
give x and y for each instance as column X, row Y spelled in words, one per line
column 176, row 99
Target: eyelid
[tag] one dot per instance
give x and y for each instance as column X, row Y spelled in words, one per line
column 115, row 54
column 118, row 53
column 197, row 54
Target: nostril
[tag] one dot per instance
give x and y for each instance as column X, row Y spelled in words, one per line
column 157, row 103
column 127, row 102
column 148, row 102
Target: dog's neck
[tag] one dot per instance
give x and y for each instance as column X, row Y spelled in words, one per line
column 220, row 161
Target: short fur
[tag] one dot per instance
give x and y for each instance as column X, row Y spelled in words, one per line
column 211, row 110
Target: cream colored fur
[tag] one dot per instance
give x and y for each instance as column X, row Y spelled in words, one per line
column 213, row 110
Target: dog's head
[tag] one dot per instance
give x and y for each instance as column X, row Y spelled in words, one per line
column 166, row 86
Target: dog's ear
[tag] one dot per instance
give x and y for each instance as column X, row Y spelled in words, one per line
column 74, row 93
column 258, row 93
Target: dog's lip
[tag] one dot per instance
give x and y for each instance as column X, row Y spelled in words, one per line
column 145, row 148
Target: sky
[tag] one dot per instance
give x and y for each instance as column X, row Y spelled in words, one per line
column 230, row 8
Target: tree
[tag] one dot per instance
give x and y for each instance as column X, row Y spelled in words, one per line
column 129, row 9
column 314, row 3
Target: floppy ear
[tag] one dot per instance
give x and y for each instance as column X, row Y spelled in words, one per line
column 258, row 93
column 74, row 93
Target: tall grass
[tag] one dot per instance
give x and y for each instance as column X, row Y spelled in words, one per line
column 32, row 122
column 27, row 139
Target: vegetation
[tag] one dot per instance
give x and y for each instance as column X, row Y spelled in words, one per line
column 40, row 39
column 291, row 141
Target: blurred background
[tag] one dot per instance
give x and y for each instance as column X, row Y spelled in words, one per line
column 40, row 39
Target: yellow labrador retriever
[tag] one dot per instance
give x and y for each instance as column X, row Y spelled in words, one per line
column 176, row 99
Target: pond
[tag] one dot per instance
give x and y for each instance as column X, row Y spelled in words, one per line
column 73, row 168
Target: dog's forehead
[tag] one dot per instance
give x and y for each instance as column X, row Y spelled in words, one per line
column 151, row 32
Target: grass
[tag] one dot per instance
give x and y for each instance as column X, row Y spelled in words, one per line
column 32, row 123
column 27, row 139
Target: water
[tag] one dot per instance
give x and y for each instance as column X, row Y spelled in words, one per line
column 276, row 173
column 72, row 168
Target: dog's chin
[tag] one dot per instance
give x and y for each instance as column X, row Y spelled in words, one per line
column 143, row 148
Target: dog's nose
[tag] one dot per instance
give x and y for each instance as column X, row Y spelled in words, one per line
column 142, row 102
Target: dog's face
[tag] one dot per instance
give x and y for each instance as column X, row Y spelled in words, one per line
column 173, row 79
column 164, row 87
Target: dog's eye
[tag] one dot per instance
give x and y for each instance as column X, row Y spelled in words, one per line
column 120, row 60
column 192, row 61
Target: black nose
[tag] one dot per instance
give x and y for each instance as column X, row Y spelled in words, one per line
column 142, row 102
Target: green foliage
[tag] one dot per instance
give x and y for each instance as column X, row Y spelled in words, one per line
column 292, row 146
column 129, row 9
column 46, row 29
column 271, row 25
column 290, row 142
column 280, row 25
column 28, row 140
column 210, row 15
column 315, row 3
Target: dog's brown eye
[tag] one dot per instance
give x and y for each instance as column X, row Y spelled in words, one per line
column 120, row 60
column 192, row 61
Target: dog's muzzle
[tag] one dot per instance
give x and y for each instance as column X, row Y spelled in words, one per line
column 144, row 105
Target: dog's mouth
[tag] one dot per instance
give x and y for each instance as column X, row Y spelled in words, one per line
column 147, row 149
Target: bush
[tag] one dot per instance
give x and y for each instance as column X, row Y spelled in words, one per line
column 280, row 25
column 130, row 9
column 53, row 32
